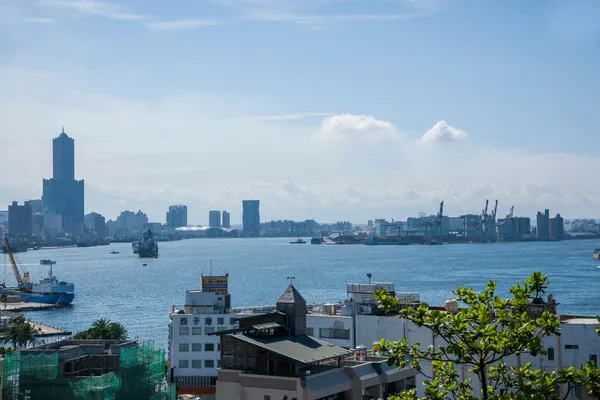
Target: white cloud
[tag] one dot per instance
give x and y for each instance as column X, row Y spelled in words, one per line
column 35, row 20
column 183, row 24
column 287, row 117
column 144, row 154
column 93, row 8
column 442, row 132
column 351, row 123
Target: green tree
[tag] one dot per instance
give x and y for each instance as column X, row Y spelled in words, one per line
column 103, row 329
column 21, row 333
column 479, row 336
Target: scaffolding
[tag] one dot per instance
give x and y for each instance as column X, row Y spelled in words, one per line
column 125, row 373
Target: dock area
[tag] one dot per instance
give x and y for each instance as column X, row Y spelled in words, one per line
column 27, row 306
column 43, row 330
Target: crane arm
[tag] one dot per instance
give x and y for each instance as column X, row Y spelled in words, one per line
column 13, row 263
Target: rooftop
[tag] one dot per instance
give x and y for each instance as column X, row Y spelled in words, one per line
column 304, row 349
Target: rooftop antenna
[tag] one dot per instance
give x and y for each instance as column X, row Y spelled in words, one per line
column 369, row 276
column 291, row 278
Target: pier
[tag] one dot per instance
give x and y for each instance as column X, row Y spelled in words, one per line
column 27, row 306
column 43, row 330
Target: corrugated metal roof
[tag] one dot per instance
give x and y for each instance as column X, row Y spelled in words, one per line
column 268, row 325
column 304, row 349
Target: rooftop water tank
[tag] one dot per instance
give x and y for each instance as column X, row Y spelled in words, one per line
column 329, row 309
column 451, row 306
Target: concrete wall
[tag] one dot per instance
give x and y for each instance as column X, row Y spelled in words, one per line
column 331, row 321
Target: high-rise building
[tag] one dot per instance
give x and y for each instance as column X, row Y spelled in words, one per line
column 36, row 206
column 557, row 227
column 226, row 220
column 543, row 224
column 96, row 223
column 62, row 194
column 251, row 217
column 20, row 219
column 177, row 216
column 214, row 218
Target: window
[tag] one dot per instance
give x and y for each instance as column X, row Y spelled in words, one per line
column 209, row 329
column 310, row 331
column 594, row 358
column 184, row 363
column 330, row 333
column 221, row 328
column 218, row 346
column 209, row 363
column 196, row 346
column 183, row 321
column 209, row 347
column 184, row 347
column 571, row 347
column 196, row 330
column 184, row 330
column 196, row 363
column 550, row 353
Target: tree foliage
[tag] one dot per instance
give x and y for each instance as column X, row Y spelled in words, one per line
column 20, row 334
column 103, row 329
column 480, row 336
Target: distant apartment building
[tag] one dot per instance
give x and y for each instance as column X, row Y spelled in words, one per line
column 129, row 222
column 177, row 216
column 36, row 206
column 576, row 226
column 557, row 228
column 226, row 220
column 4, row 218
column 96, row 223
column 543, row 224
column 20, row 219
column 251, row 217
column 389, row 229
column 214, row 219
column 514, row 228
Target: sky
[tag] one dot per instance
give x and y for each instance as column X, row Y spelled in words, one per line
column 324, row 109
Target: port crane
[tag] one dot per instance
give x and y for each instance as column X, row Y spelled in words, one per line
column 438, row 220
column 23, row 281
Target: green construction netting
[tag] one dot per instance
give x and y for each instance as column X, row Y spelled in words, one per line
column 103, row 387
column 165, row 393
column 134, row 356
column 43, row 366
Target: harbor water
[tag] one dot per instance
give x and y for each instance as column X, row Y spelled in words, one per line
column 119, row 287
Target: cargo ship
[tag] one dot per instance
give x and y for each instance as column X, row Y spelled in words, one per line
column 47, row 291
column 147, row 247
column 18, row 244
column 316, row 240
column 596, row 254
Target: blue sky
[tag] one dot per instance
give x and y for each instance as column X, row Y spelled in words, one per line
column 327, row 109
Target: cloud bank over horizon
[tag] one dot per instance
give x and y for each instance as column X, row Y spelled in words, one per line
column 147, row 155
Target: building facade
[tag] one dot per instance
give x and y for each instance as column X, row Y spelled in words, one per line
column 557, row 228
column 177, row 216
column 214, row 219
column 226, row 220
column 96, row 223
column 251, row 217
column 20, row 219
column 543, row 224
column 62, row 194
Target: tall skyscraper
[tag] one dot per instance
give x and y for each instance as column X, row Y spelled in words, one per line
column 20, row 219
column 62, row 194
column 226, row 220
column 177, row 216
column 543, row 224
column 251, row 217
column 214, row 219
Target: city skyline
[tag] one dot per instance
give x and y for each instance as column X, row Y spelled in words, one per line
column 325, row 110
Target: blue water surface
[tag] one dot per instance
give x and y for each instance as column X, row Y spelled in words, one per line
column 119, row 287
